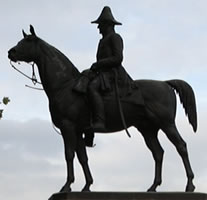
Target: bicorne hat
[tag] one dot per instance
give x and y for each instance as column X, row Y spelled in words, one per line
column 106, row 16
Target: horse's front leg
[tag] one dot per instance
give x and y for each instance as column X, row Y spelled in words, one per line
column 70, row 140
column 83, row 159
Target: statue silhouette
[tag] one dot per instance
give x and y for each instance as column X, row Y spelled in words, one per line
column 70, row 110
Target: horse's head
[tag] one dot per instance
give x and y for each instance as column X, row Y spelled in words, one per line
column 26, row 49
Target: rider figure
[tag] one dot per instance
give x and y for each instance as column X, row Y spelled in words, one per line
column 109, row 58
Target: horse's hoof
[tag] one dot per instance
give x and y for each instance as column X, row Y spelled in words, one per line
column 86, row 188
column 152, row 189
column 190, row 188
column 149, row 190
column 65, row 189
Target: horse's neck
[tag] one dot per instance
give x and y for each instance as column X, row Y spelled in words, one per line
column 55, row 69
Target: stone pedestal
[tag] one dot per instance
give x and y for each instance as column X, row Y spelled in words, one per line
column 129, row 196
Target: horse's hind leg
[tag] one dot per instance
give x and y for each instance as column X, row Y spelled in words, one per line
column 151, row 140
column 83, row 159
column 174, row 136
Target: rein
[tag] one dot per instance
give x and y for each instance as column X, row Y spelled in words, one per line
column 34, row 81
column 33, row 78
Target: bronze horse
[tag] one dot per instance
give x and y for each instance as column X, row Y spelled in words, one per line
column 71, row 114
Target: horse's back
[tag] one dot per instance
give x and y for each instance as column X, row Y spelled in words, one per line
column 159, row 98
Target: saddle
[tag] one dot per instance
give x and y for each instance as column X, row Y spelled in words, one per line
column 128, row 90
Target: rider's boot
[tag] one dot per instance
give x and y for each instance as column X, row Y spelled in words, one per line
column 98, row 113
column 98, row 124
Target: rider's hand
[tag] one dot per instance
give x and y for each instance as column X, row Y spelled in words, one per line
column 93, row 67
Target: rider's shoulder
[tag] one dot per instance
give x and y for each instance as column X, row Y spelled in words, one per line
column 115, row 36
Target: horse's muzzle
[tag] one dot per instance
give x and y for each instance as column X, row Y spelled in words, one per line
column 11, row 54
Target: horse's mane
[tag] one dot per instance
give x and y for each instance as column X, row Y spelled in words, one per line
column 58, row 56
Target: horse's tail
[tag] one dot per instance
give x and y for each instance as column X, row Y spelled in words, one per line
column 187, row 98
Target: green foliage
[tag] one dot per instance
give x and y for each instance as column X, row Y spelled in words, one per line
column 1, row 113
column 5, row 101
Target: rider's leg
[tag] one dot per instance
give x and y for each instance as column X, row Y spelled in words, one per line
column 97, row 104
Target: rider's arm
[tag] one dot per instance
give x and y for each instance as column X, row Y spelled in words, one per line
column 116, row 57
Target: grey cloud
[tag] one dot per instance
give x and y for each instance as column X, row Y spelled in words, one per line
column 33, row 151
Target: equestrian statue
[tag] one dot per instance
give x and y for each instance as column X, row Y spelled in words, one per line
column 105, row 99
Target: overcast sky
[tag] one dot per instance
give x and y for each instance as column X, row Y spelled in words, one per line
column 163, row 39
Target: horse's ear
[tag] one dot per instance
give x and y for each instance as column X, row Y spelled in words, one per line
column 24, row 34
column 32, row 31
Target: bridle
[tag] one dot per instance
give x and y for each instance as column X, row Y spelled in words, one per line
column 33, row 78
column 34, row 81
